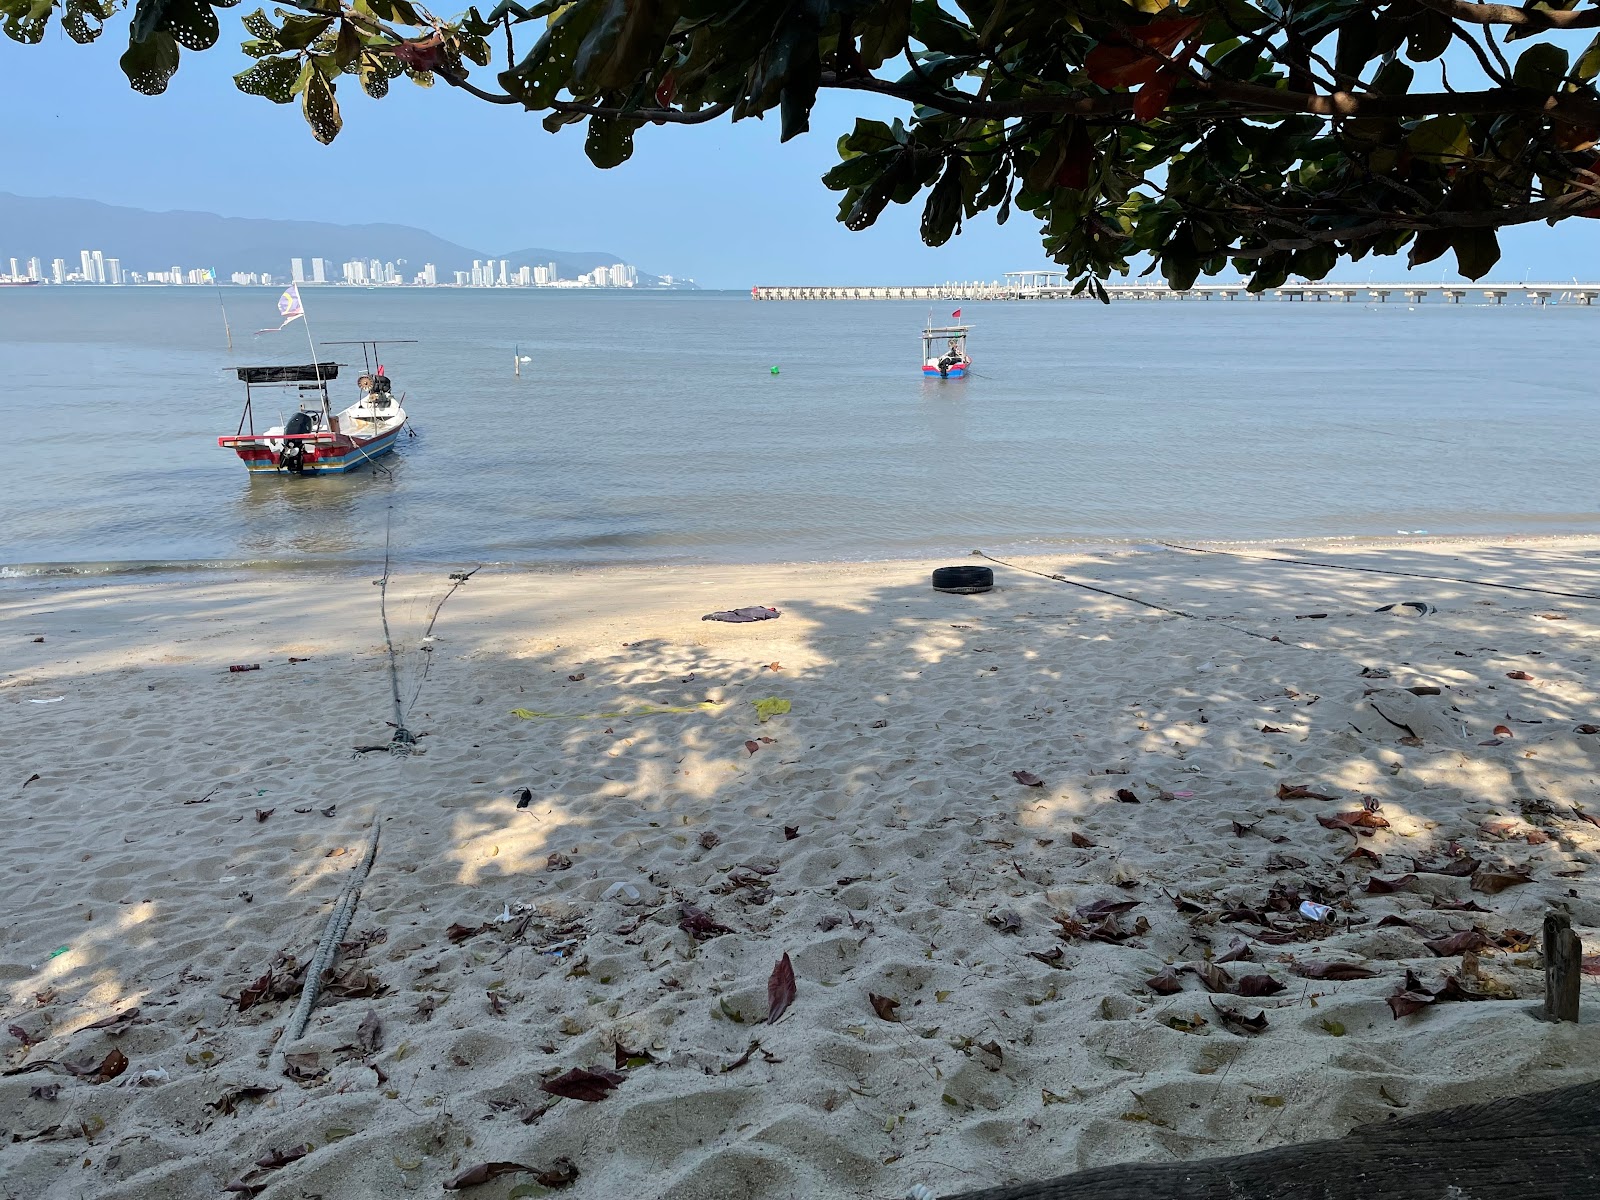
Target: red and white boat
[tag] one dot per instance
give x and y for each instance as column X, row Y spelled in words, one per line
column 316, row 440
column 949, row 360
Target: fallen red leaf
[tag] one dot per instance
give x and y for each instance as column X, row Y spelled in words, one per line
column 1164, row 983
column 1317, row 969
column 1502, row 731
column 1126, row 796
column 1492, row 882
column 752, row 746
column 1296, row 791
column 1239, row 1023
column 275, row 1158
column 884, row 1006
column 781, row 989
column 1358, row 821
column 1457, row 943
column 1401, row 883
column 1027, row 779
column 482, row 1173
column 581, row 1084
column 1518, row 675
column 1081, row 842
column 699, row 924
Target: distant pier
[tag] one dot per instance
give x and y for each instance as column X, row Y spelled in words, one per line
column 1054, row 285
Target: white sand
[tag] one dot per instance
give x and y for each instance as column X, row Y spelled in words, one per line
column 910, row 711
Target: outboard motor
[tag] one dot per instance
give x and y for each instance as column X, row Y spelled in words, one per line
column 292, row 457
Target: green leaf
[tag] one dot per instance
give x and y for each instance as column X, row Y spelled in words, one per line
column 941, row 216
column 610, row 141
column 1440, row 139
column 150, row 63
column 192, row 23
column 347, row 46
column 1357, row 45
column 1429, row 245
column 1428, row 35
column 299, row 31
column 1393, row 78
column 84, row 20
column 1588, row 62
column 1477, row 251
column 1540, row 67
column 273, row 78
column 321, row 107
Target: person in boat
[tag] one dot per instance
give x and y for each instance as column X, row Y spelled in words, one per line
column 953, row 357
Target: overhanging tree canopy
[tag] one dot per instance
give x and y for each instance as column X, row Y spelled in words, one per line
column 1283, row 135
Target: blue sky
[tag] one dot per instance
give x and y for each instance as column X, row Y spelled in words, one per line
column 726, row 204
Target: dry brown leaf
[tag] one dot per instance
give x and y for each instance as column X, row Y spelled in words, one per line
column 781, row 989
column 884, row 1006
column 581, row 1084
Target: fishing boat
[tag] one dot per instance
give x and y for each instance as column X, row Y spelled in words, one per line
column 944, row 350
column 316, row 440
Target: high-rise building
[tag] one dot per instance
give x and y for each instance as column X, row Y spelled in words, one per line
column 16, row 269
column 297, row 269
column 319, row 270
column 35, row 269
column 88, row 266
column 463, row 278
column 112, row 271
column 430, row 275
column 99, row 267
column 58, row 270
column 541, row 276
column 176, row 275
column 555, row 275
column 504, row 281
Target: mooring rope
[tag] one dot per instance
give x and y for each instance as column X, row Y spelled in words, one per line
column 1176, row 612
column 1304, row 562
column 344, row 907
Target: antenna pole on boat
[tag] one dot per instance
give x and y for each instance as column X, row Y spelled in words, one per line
column 226, row 328
column 305, row 319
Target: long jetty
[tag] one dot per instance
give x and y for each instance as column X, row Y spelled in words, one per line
column 1051, row 285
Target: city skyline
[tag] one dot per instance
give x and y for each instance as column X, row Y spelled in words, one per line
column 96, row 268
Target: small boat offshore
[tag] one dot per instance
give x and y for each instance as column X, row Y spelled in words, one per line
column 948, row 360
column 316, row 440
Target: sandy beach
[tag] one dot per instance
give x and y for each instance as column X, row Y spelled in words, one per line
column 1036, row 857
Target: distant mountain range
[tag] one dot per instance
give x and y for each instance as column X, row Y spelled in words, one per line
column 58, row 227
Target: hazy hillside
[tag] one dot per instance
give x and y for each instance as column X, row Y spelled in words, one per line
column 56, row 227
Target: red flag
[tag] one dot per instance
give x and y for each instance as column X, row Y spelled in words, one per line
column 956, row 314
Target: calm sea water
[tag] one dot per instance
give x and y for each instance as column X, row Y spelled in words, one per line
column 650, row 428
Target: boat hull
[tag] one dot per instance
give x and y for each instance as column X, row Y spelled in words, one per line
column 259, row 458
column 955, row 372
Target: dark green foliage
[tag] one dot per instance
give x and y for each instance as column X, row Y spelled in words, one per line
column 1280, row 136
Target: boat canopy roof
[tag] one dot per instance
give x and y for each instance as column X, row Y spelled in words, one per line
column 309, row 373
column 946, row 331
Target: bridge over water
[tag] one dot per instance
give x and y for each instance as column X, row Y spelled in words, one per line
column 1055, row 285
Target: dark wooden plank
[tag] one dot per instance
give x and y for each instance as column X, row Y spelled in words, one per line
column 1563, row 968
column 1536, row 1147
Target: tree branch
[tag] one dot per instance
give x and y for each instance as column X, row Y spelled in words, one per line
column 1245, row 99
column 1534, row 20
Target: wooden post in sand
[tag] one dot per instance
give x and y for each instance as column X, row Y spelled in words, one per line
column 1563, row 966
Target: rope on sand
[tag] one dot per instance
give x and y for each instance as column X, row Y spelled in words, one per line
column 1176, row 612
column 1305, row 562
column 344, row 909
